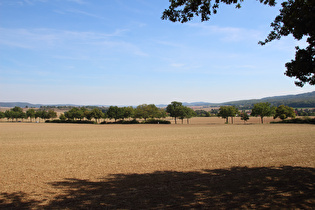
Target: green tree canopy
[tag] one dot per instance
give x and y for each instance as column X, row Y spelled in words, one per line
column 244, row 116
column 186, row 112
column 62, row 117
column 2, row 115
column 161, row 113
column 184, row 10
column 15, row 113
column 77, row 113
column 71, row 114
column 17, row 109
column 115, row 112
column 174, row 109
column 146, row 111
column 128, row 112
column 51, row 114
column 263, row 110
column 38, row 114
column 227, row 111
column 296, row 17
column 9, row 114
column 44, row 115
column 202, row 113
column 97, row 114
column 30, row 113
column 283, row 112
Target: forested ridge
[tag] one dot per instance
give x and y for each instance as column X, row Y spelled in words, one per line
column 305, row 100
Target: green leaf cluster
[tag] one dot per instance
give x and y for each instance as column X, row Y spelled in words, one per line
column 185, row 10
column 18, row 113
column 296, row 18
column 283, row 112
column 263, row 110
column 143, row 111
column 244, row 116
column 177, row 110
column 83, row 113
column 228, row 111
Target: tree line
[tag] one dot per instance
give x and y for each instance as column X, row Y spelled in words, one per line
column 144, row 111
column 149, row 111
column 31, row 114
column 259, row 110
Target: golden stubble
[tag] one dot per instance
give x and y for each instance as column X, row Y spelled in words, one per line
column 34, row 155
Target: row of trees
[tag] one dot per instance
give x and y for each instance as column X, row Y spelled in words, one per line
column 177, row 110
column 259, row 110
column 305, row 112
column 144, row 111
column 17, row 113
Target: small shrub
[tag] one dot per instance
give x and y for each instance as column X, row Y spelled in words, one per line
column 306, row 120
column 71, row 121
column 123, row 122
column 154, row 121
column 130, row 122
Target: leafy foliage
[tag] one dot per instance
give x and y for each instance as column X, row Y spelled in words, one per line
column 30, row 113
column 305, row 112
column 154, row 121
column 244, row 116
column 115, row 112
column 283, row 112
column 71, row 121
column 134, row 121
column 263, row 110
column 18, row 113
column 202, row 113
column 296, row 17
column 298, row 121
column 228, row 111
column 146, row 111
column 186, row 112
column 62, row 117
column 2, row 115
column 96, row 114
column 174, row 109
column 184, row 10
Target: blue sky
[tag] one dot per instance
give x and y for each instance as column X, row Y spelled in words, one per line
column 120, row 52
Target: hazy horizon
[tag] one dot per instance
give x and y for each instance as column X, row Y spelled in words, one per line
column 184, row 102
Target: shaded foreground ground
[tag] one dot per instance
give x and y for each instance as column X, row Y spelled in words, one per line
column 156, row 166
column 240, row 187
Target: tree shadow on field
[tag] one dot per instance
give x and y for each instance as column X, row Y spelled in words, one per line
column 238, row 187
column 18, row 200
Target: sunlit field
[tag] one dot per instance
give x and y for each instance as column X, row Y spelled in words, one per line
column 203, row 164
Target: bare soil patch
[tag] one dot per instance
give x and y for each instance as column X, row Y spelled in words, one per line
column 156, row 166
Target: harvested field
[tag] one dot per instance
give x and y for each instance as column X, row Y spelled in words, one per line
column 157, row 166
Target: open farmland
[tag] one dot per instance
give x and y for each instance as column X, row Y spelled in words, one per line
column 157, row 166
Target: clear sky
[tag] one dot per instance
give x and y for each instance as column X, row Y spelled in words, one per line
column 120, row 52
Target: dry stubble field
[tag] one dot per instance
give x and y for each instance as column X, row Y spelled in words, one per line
column 64, row 166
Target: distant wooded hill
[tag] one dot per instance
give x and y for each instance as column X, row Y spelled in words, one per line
column 305, row 100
